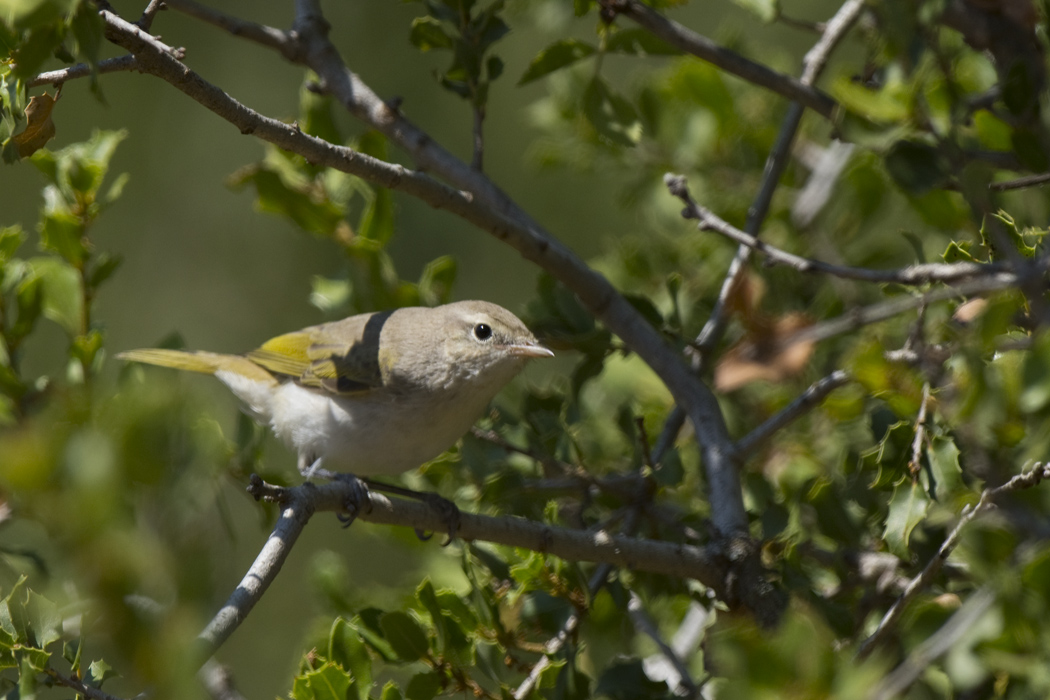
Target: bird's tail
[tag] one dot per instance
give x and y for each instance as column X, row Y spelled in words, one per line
column 204, row 362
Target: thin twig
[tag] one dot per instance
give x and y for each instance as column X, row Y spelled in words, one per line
column 146, row 20
column 79, row 686
column 700, row 46
column 596, row 582
column 857, row 318
column 911, row 275
column 285, row 43
column 644, row 624
column 477, row 162
column 920, row 432
column 961, row 622
column 1020, row 183
column 1022, row 481
column 809, row 399
column 82, row 70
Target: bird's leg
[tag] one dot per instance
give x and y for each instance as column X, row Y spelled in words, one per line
column 359, row 500
column 448, row 510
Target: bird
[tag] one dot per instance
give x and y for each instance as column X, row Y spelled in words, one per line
column 376, row 393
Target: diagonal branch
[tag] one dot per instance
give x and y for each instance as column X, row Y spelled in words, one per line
column 1027, row 480
column 82, row 70
column 910, row 275
column 809, row 399
column 700, row 46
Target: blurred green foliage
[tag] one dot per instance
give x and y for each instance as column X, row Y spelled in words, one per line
column 114, row 509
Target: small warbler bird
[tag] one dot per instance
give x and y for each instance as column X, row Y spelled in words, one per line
column 377, row 393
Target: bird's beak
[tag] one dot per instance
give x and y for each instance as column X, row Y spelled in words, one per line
column 529, row 350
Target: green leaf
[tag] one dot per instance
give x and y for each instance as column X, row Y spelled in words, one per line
column 329, row 294
column 639, row 42
column 423, row 686
column 429, row 33
column 11, row 239
column 626, row 680
column 104, row 267
column 612, row 116
column 391, row 691
column 437, row 280
column 329, row 682
column 62, row 296
column 494, row 67
column 61, row 231
column 907, row 509
column 917, row 167
column 1035, row 391
column 99, row 672
column 406, row 636
column 766, row 10
column 298, row 202
column 45, row 623
column 944, row 465
column 346, row 648
column 1030, row 148
column 35, row 49
column 558, row 55
column 36, row 659
column 87, row 30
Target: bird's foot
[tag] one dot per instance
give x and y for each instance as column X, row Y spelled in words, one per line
column 358, row 501
column 448, row 510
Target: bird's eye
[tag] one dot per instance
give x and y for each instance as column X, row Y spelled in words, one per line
column 483, row 331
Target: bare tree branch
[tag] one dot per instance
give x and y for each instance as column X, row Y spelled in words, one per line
column 1020, row 183
column 82, row 70
column 79, row 686
column 146, row 20
column 1022, row 481
column 936, row 646
column 643, row 623
column 286, row 43
column 700, row 46
column 809, row 399
column 299, row 503
column 911, row 275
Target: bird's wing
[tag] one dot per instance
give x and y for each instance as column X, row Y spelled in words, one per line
column 336, row 358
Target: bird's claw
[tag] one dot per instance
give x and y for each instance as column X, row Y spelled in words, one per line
column 358, row 501
column 448, row 511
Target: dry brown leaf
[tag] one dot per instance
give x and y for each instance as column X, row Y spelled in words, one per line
column 969, row 310
column 766, row 357
column 39, row 127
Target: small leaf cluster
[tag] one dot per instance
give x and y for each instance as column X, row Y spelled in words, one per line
column 322, row 201
column 31, row 33
column 469, row 30
column 482, row 641
column 59, row 285
column 30, row 627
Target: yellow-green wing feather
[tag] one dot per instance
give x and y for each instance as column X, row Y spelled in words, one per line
column 205, row 362
column 287, row 354
column 338, row 358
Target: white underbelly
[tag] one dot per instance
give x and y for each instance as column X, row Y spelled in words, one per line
column 370, row 435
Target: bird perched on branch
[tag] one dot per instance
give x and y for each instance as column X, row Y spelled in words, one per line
column 377, row 393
